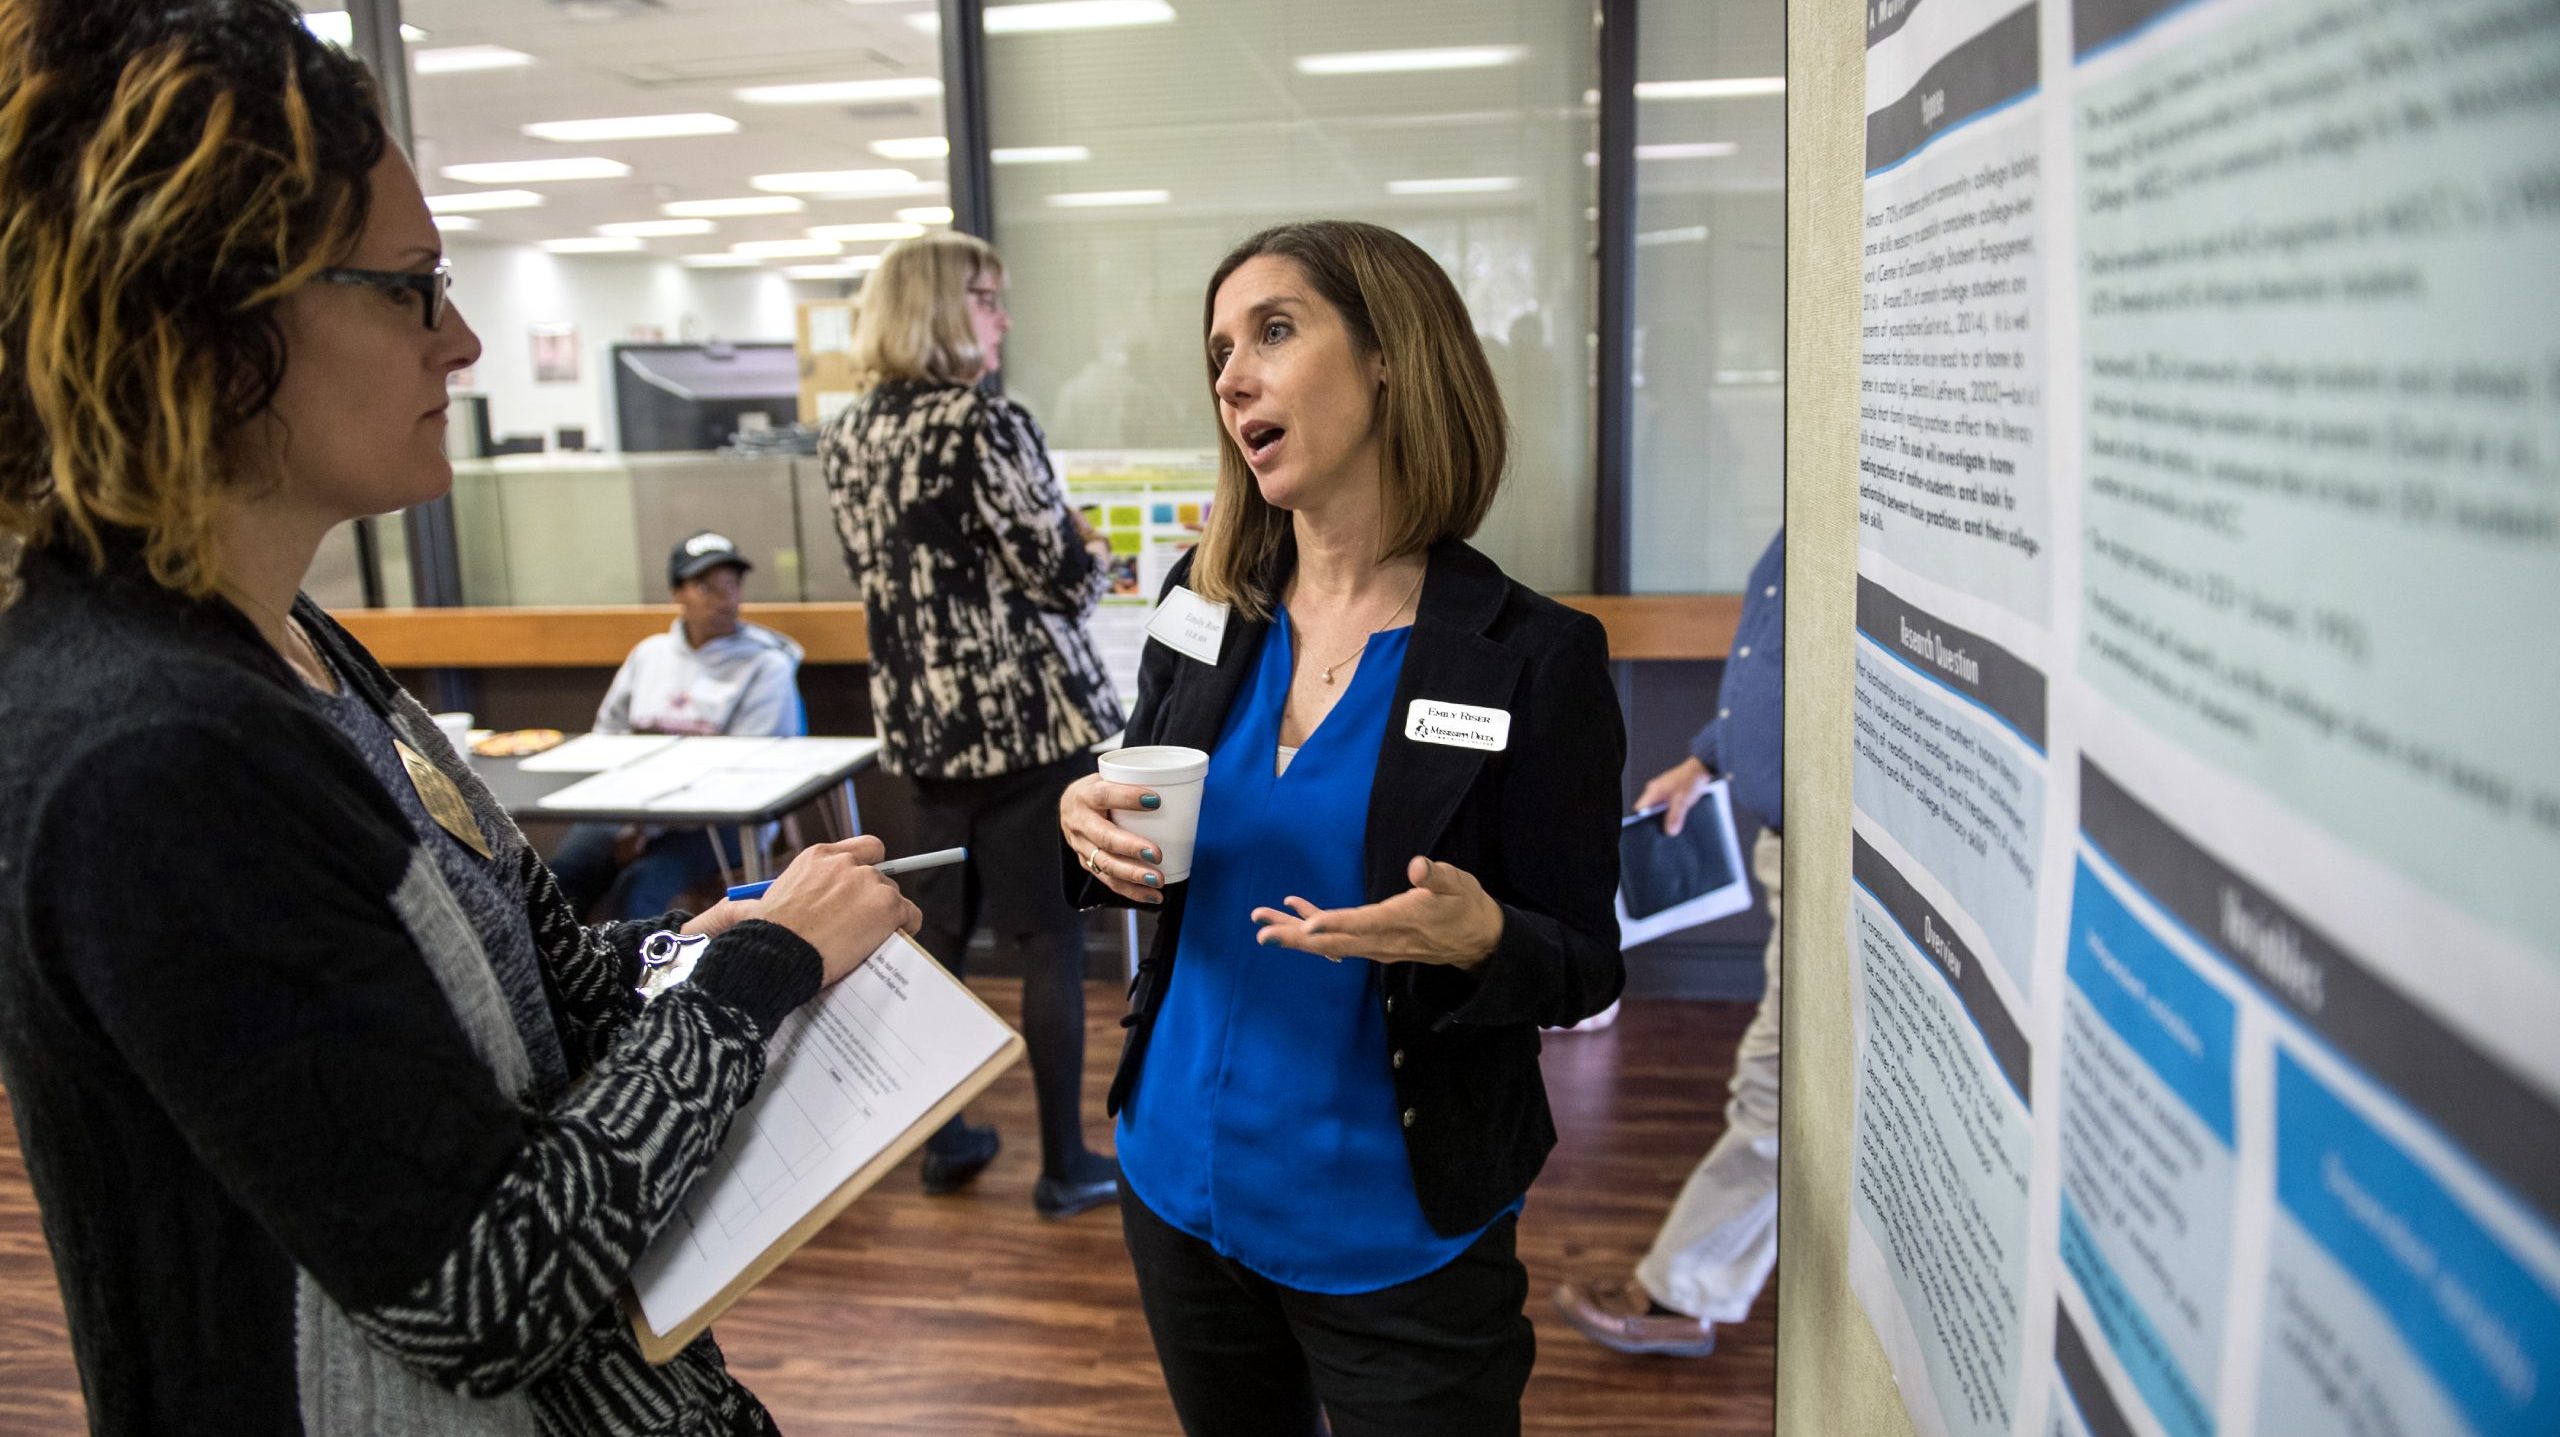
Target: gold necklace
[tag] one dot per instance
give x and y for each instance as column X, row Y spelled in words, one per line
column 1327, row 669
column 307, row 665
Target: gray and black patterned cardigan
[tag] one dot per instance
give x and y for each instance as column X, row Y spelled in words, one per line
column 295, row 1170
column 977, row 582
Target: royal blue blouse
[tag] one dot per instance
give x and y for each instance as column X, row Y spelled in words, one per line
column 1266, row 1123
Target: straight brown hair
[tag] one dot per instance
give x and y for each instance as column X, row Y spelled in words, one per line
column 1444, row 436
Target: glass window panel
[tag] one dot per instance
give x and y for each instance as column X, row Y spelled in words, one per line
column 1200, row 131
column 564, row 269
column 1710, row 292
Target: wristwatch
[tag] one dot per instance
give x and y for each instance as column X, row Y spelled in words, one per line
column 666, row 959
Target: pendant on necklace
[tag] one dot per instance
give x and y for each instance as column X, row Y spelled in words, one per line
column 1328, row 676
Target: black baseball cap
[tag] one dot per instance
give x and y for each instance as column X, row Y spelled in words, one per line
column 700, row 554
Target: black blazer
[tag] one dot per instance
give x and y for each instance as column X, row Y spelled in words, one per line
column 1537, row 824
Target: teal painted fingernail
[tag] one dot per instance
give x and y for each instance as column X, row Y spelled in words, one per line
column 1148, row 854
column 1151, row 880
column 1150, row 800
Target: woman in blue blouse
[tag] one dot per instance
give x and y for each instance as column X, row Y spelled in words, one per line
column 1329, row 1108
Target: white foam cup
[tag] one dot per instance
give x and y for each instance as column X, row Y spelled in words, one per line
column 1174, row 774
column 457, row 731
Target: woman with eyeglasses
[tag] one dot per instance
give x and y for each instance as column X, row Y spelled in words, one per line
column 339, row 1121
column 986, row 687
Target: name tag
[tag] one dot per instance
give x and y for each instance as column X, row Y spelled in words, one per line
column 1458, row 726
column 1189, row 625
column 444, row 802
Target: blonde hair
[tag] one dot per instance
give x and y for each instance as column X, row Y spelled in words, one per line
column 1444, row 436
column 167, row 174
column 915, row 311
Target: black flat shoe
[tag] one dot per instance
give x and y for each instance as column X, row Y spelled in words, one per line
column 1057, row 1199
column 949, row 1167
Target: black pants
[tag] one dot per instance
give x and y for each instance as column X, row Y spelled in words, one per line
column 1009, row 824
column 1445, row 1355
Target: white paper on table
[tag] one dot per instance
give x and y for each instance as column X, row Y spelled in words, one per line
column 1715, row 806
column 730, row 790
column 851, row 1072
column 697, row 754
column 596, row 752
column 810, row 757
column 618, row 790
column 687, row 759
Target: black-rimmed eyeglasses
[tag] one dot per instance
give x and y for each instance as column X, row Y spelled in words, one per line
column 431, row 287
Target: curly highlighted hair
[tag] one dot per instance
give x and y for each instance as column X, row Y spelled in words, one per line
column 169, row 171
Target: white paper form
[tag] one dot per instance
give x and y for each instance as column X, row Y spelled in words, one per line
column 731, row 790
column 809, row 757
column 639, row 784
column 596, row 752
column 830, row 329
column 850, row 1072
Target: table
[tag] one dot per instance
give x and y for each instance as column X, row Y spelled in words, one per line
column 802, row 770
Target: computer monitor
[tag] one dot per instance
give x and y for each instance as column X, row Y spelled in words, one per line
column 694, row 396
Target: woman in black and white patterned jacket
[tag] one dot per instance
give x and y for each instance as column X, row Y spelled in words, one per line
column 340, row 1122
column 986, row 687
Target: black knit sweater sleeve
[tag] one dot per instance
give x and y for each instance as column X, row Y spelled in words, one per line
column 240, row 929
column 590, row 974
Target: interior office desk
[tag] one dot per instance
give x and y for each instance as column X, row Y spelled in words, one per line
column 758, row 781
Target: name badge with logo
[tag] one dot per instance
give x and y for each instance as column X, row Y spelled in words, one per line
column 1458, row 726
column 1189, row 625
column 443, row 800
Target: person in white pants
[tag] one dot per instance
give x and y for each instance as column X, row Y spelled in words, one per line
column 1717, row 1247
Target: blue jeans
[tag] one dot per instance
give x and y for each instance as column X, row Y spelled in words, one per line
column 670, row 865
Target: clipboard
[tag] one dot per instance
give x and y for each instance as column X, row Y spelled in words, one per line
column 919, row 967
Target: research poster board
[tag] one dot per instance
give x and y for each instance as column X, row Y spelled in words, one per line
column 2204, row 920
column 1151, row 505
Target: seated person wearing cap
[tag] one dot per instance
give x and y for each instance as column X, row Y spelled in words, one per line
column 709, row 673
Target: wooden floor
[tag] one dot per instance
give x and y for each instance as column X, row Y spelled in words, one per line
column 968, row 1315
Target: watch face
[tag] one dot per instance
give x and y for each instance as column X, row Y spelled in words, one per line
column 667, row 959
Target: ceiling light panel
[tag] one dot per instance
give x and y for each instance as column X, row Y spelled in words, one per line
column 467, row 201
column 1040, row 155
column 1059, row 15
column 597, row 244
column 743, row 205
column 464, row 59
column 656, row 229
column 786, row 249
column 852, row 268
column 844, row 92
column 536, row 172
column 836, row 182
column 925, row 215
column 1704, row 150
column 1733, row 89
column 1457, row 185
column 865, row 233
column 1109, row 199
column 1387, row 62
column 632, row 127
column 336, row 27
column 721, row 261
column 921, row 147
column 456, row 224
